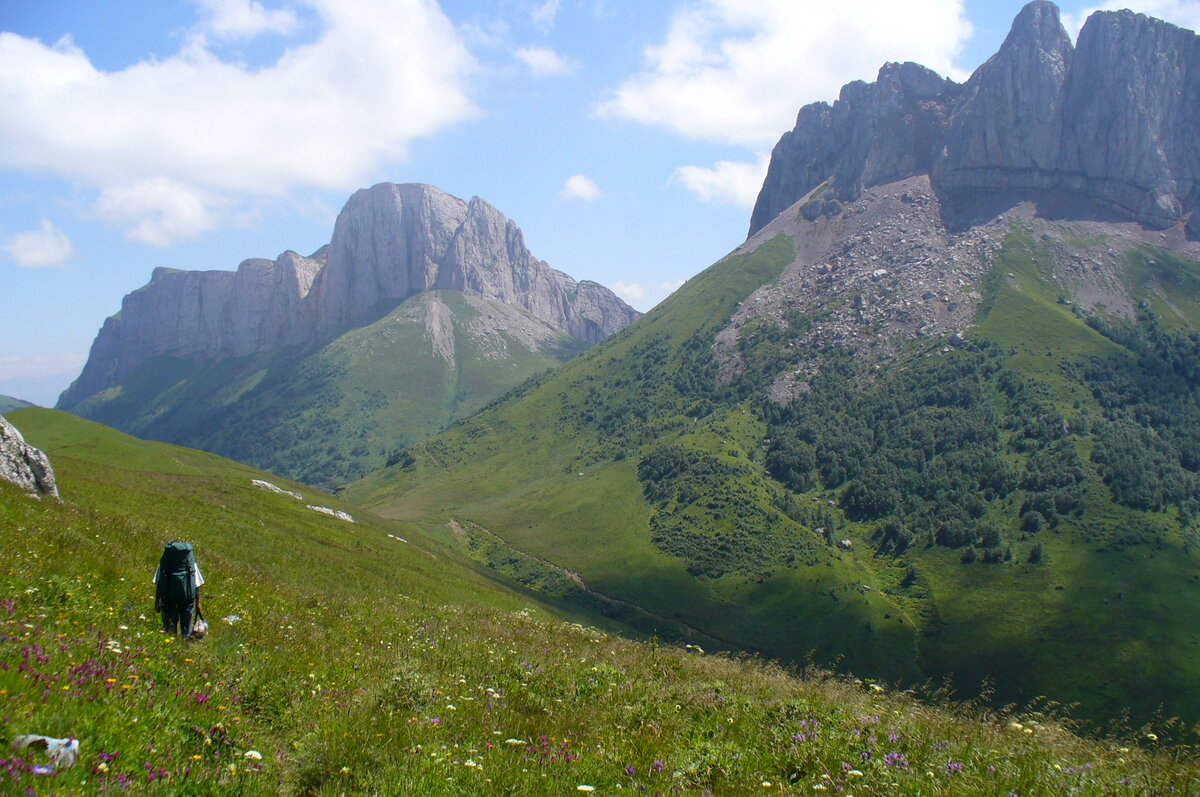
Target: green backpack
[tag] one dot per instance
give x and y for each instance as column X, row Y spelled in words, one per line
column 176, row 586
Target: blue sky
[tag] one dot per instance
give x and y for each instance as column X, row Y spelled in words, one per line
column 627, row 139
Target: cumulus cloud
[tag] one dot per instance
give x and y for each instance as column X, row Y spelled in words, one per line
column 199, row 129
column 544, row 15
column 631, row 292
column 544, row 62
column 580, row 187
column 727, row 182
column 45, row 246
column 238, row 18
column 1184, row 13
column 159, row 211
column 736, row 71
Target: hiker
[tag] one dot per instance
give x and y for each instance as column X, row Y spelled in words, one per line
column 177, row 587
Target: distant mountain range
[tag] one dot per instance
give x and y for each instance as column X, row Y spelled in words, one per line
column 938, row 417
column 421, row 309
column 8, row 404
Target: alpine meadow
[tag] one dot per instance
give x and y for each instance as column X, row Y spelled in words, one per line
column 901, row 496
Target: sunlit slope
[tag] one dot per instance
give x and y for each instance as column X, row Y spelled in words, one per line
column 132, row 496
column 1019, row 509
column 336, row 665
column 555, row 473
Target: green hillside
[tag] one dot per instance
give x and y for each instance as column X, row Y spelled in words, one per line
column 346, row 661
column 1020, row 510
column 334, row 414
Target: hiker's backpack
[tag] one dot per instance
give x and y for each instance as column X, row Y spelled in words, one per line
column 176, row 586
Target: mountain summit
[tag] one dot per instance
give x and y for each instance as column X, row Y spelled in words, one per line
column 936, row 418
column 422, row 308
column 1110, row 121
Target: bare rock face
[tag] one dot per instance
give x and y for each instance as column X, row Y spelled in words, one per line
column 23, row 465
column 1111, row 121
column 390, row 242
column 210, row 314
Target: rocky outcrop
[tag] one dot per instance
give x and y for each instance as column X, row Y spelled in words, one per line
column 1110, row 120
column 390, row 242
column 23, row 465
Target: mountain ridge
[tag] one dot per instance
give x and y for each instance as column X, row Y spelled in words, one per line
column 420, row 310
column 921, row 433
column 390, row 242
column 1108, row 120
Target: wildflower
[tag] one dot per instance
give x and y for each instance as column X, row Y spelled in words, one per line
column 630, row 770
column 43, row 769
column 1152, row 737
column 658, row 765
column 345, row 770
column 584, row 787
column 855, row 773
column 953, row 767
column 252, row 755
column 515, row 741
column 1016, row 726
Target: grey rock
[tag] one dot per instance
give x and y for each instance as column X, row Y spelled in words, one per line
column 23, row 465
column 1110, row 121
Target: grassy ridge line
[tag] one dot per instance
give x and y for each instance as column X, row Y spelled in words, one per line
column 345, row 689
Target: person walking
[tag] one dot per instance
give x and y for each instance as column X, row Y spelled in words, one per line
column 177, row 583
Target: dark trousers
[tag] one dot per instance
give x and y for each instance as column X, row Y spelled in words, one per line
column 178, row 617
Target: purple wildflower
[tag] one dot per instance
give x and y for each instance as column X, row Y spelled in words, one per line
column 630, row 770
column 658, row 765
column 953, row 767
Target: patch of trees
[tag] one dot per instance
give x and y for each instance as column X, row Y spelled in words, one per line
column 1148, row 443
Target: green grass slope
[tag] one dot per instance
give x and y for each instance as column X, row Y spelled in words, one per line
column 1020, row 511
column 344, row 661
column 331, row 415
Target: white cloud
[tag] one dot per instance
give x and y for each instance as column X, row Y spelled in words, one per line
column 239, row 18
column 580, row 187
column 200, row 129
column 544, row 15
column 544, row 62
column 159, row 211
column 1184, row 13
column 631, row 292
column 45, row 246
column 727, row 182
column 736, row 71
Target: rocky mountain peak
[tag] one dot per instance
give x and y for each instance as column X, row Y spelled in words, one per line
column 1110, row 122
column 390, row 242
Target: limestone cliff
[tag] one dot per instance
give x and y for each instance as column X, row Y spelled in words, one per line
column 1110, row 120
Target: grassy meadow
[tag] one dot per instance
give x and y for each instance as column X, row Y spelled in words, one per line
column 343, row 660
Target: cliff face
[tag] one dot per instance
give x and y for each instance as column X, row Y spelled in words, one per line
column 390, row 242
column 1111, row 120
